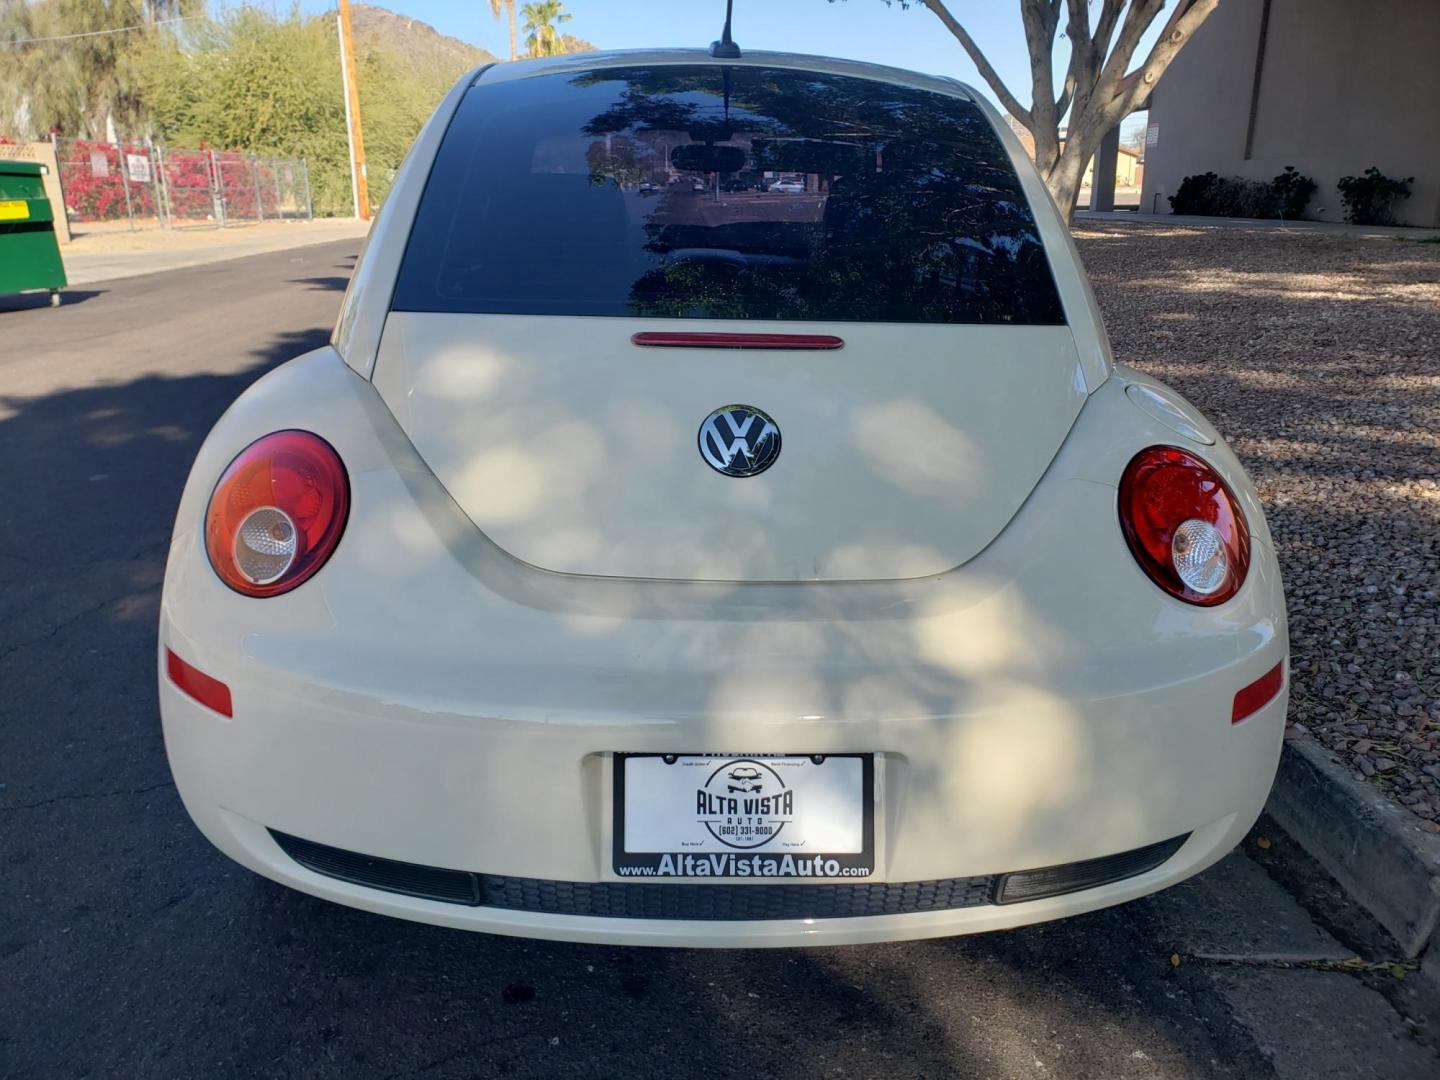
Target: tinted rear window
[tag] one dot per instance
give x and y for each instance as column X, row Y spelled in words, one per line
column 722, row 193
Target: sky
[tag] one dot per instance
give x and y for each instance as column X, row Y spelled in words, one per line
column 853, row 29
column 868, row 30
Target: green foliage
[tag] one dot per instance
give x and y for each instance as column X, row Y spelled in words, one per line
column 1294, row 190
column 1369, row 198
column 541, row 19
column 76, row 84
column 1211, row 195
column 246, row 81
column 251, row 82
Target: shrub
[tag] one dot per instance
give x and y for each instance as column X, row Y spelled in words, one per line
column 1369, row 198
column 1226, row 196
column 1194, row 197
column 102, row 198
column 1293, row 189
column 1209, row 195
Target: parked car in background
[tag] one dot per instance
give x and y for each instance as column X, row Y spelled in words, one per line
column 789, row 187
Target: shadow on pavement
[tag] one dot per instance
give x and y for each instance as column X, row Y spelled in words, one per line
column 335, row 284
column 27, row 301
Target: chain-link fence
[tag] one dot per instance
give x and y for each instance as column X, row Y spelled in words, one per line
column 109, row 182
column 150, row 186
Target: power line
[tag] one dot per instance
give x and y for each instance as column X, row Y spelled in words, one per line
column 16, row 42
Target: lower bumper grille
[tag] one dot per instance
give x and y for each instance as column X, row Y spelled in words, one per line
column 705, row 902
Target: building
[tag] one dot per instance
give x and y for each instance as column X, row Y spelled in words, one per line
column 1129, row 165
column 1128, row 169
column 1328, row 86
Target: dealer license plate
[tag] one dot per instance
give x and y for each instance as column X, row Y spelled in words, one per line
column 744, row 816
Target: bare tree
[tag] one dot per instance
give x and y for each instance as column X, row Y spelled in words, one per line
column 1100, row 89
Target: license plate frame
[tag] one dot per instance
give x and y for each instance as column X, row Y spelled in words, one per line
column 705, row 855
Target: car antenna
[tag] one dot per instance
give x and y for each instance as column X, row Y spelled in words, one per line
column 725, row 48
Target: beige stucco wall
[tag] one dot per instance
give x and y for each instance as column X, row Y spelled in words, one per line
column 1346, row 84
column 44, row 153
column 1127, row 170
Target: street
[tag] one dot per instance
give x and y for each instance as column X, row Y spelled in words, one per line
column 130, row 948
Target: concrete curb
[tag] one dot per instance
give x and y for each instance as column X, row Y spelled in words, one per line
column 1370, row 845
column 85, row 268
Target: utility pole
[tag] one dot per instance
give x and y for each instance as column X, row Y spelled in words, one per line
column 359, row 190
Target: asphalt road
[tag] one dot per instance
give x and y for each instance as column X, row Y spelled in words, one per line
column 130, row 948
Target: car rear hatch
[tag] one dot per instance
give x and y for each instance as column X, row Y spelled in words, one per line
column 934, row 377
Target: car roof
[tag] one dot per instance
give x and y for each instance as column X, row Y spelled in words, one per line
column 595, row 61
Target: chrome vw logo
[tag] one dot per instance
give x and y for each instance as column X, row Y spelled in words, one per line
column 739, row 440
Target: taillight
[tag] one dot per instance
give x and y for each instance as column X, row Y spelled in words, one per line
column 277, row 513
column 1184, row 526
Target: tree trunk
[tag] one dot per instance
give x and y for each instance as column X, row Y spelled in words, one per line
column 513, row 53
column 1064, row 181
column 1098, row 93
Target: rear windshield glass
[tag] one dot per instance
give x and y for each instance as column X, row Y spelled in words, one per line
column 725, row 193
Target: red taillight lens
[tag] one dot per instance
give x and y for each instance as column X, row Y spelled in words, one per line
column 1184, row 526
column 277, row 513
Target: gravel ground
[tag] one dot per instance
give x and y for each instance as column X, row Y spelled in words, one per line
column 1318, row 357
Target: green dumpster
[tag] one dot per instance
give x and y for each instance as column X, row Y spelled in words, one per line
column 29, row 252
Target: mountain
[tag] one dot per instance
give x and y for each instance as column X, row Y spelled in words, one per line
column 423, row 48
column 419, row 45
column 571, row 43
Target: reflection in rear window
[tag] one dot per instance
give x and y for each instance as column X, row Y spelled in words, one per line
column 725, row 193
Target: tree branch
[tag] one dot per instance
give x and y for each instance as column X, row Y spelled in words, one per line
column 1065, row 95
column 987, row 72
column 1178, row 30
column 1079, row 74
column 1105, row 28
column 1138, row 18
column 1041, row 17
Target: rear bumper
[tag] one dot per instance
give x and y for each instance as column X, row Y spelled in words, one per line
column 253, row 846
column 496, row 799
column 427, row 699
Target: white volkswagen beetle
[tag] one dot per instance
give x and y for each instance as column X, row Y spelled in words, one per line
column 735, row 570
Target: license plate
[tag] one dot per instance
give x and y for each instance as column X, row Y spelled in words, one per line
column 14, row 210
column 744, row 816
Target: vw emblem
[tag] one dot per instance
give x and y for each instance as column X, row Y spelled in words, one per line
column 739, row 440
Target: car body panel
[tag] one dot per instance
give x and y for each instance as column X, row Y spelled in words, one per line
column 575, row 450
column 365, row 306
column 429, row 698
column 436, row 696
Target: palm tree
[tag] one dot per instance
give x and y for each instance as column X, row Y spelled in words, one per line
column 508, row 6
column 541, row 18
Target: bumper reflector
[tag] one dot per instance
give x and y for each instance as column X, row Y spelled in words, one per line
column 1251, row 699
column 720, row 901
column 212, row 693
column 1072, row 877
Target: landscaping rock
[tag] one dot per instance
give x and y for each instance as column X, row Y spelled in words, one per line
column 1317, row 355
